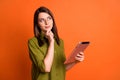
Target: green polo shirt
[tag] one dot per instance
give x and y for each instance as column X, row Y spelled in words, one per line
column 37, row 55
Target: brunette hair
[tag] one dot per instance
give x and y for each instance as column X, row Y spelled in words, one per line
column 37, row 30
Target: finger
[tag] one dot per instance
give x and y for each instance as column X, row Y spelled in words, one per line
column 81, row 53
column 47, row 32
column 79, row 56
column 51, row 33
column 79, row 59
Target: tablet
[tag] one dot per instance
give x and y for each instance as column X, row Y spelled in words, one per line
column 80, row 47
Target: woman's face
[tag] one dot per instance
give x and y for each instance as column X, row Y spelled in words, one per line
column 45, row 21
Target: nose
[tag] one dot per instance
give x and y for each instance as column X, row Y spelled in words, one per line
column 46, row 22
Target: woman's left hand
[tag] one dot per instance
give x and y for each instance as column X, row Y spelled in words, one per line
column 79, row 57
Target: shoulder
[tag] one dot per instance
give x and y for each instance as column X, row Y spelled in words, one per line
column 61, row 42
column 61, row 39
column 32, row 40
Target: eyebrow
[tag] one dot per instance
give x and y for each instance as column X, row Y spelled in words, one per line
column 43, row 18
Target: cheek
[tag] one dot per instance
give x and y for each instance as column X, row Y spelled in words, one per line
column 40, row 25
column 52, row 23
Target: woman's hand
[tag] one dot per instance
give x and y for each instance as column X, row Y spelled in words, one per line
column 79, row 57
column 50, row 52
column 50, row 36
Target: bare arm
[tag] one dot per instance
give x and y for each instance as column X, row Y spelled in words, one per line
column 49, row 57
column 50, row 53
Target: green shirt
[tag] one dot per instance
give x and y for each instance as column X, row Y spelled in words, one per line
column 37, row 55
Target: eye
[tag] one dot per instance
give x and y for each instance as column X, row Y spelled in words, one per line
column 49, row 18
column 41, row 20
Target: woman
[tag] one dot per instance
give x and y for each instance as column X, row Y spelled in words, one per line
column 46, row 49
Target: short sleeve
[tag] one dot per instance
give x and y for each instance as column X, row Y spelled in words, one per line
column 36, row 55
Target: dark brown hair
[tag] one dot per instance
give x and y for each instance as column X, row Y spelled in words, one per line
column 37, row 30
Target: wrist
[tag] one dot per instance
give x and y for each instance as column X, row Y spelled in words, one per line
column 52, row 42
column 76, row 62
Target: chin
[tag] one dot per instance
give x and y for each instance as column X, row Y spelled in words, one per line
column 47, row 29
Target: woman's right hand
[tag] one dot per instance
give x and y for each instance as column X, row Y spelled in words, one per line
column 50, row 36
column 50, row 52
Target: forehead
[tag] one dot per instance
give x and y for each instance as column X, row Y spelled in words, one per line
column 43, row 15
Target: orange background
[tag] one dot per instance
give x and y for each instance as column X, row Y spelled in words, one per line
column 97, row 21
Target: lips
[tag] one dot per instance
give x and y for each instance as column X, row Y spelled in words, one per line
column 47, row 26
